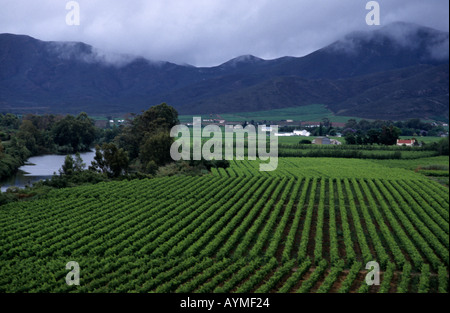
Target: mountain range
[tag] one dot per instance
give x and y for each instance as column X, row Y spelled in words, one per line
column 398, row 71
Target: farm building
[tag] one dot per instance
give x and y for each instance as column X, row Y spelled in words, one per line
column 284, row 134
column 325, row 141
column 303, row 133
column 406, row 142
column 322, row 141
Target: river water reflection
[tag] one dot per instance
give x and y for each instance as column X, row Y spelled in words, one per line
column 40, row 168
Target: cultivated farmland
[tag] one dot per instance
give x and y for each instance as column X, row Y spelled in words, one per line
column 310, row 226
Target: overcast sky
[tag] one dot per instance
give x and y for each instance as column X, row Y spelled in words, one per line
column 210, row 32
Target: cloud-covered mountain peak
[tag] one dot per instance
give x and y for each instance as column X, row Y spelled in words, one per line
column 398, row 38
column 242, row 60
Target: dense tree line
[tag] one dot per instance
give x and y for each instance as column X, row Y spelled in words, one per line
column 412, row 127
column 386, row 136
column 140, row 148
column 42, row 134
column 373, row 132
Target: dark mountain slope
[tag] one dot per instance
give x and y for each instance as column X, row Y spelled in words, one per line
column 399, row 70
column 413, row 92
column 386, row 95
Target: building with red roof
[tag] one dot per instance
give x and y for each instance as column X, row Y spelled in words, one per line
column 406, row 142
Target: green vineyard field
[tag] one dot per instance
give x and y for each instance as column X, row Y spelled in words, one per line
column 302, row 228
column 318, row 167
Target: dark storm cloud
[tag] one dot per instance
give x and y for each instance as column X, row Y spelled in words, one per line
column 210, row 32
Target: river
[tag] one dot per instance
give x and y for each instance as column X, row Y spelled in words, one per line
column 40, row 168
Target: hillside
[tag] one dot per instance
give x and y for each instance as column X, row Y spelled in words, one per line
column 411, row 92
column 399, row 71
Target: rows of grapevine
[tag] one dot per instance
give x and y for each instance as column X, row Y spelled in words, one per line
column 194, row 275
column 229, row 234
column 319, row 167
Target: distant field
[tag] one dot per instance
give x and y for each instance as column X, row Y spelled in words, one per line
column 313, row 113
column 319, row 167
column 355, row 154
column 413, row 164
column 435, row 168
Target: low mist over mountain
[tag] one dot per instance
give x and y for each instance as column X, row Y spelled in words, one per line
column 396, row 72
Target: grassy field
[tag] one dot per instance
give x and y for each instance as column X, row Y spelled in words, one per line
column 441, row 162
column 319, row 167
column 312, row 113
column 309, row 227
column 435, row 168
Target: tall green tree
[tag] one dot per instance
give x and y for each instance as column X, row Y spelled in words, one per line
column 111, row 160
column 29, row 134
column 351, row 123
column 372, row 137
column 350, row 138
column 389, row 135
column 72, row 165
column 156, row 148
column 9, row 121
column 68, row 166
column 443, row 148
column 147, row 136
column 77, row 133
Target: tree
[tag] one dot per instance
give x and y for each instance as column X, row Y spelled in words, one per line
column 360, row 137
column 364, row 124
column 68, row 166
column 156, row 148
column 158, row 117
column 17, row 149
column 111, row 160
column 72, row 165
column 350, row 138
column 9, row 121
column 414, row 123
column 147, row 137
column 28, row 133
column 443, row 146
column 351, row 123
column 151, row 168
column 389, row 135
column 321, row 129
column 98, row 164
column 78, row 164
column 76, row 132
column 372, row 136
column 86, row 129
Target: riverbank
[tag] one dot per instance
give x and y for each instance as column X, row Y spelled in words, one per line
column 39, row 168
